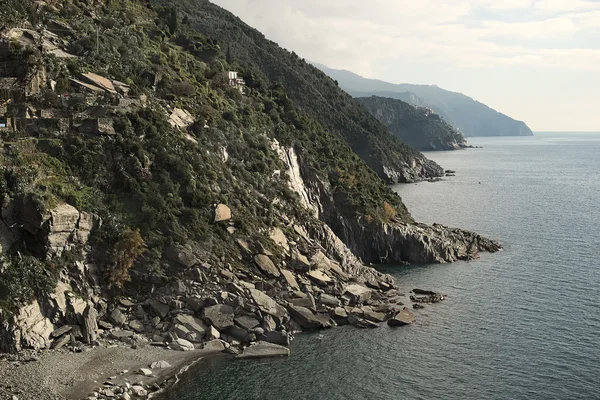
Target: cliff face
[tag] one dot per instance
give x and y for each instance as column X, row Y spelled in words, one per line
column 203, row 214
column 419, row 127
column 390, row 242
column 312, row 91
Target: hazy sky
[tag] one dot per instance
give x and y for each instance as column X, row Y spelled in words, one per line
column 535, row 60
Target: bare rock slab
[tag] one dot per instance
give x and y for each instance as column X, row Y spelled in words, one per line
column 263, row 350
column 220, row 316
column 265, row 264
column 404, row 317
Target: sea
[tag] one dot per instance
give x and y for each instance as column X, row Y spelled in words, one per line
column 523, row 323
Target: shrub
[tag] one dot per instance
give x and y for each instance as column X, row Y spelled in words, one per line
column 389, row 212
column 127, row 250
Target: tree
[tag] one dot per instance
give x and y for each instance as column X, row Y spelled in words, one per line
column 173, row 21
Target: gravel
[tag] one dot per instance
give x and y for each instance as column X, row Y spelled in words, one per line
column 64, row 375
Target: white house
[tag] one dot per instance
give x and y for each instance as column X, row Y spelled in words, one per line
column 236, row 82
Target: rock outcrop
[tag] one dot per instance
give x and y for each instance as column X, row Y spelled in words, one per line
column 411, row 243
column 56, row 230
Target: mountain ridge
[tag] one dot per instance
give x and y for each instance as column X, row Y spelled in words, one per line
column 470, row 116
column 419, row 126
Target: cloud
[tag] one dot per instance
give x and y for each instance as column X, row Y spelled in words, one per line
column 358, row 35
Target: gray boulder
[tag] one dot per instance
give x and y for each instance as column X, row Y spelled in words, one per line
column 357, row 294
column 181, row 255
column 404, row 317
column 159, row 309
column 359, row 322
column 247, row 322
column 281, row 338
column 61, row 331
column 264, row 349
column 182, row 345
column 374, row 316
column 137, row 326
column 329, row 300
column 214, row 346
column 290, row 279
column 220, row 316
column 265, row 264
column 191, row 323
column 267, row 304
column 117, row 317
column 309, row 320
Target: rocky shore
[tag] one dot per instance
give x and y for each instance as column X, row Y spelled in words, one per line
column 308, row 276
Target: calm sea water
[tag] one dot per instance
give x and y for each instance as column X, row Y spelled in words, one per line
column 520, row 324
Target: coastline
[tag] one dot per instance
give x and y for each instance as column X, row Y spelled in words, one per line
column 53, row 375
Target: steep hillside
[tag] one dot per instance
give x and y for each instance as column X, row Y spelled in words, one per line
column 471, row 117
column 149, row 194
column 418, row 127
column 311, row 90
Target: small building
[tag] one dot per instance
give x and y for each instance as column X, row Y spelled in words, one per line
column 237, row 82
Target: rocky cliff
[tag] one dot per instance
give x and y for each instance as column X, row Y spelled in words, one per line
column 419, row 127
column 214, row 214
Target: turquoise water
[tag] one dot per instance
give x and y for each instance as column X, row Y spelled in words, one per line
column 520, row 324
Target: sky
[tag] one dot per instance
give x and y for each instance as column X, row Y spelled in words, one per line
column 535, row 60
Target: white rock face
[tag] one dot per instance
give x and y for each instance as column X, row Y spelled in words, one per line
column 296, row 183
column 33, row 328
column 180, row 118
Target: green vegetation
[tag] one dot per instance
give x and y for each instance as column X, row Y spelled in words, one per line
column 417, row 127
column 307, row 87
column 154, row 185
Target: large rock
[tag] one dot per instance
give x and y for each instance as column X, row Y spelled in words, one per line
column 264, row 349
column 182, row 345
column 329, row 300
column 214, row 346
column 159, row 309
column 221, row 213
column 192, row 324
column 357, row 294
column 374, row 316
column 309, row 320
column 61, row 331
column 319, row 277
column 117, row 317
column 160, row 365
column 181, row 255
column 361, row 322
column 137, row 326
column 220, row 316
column 307, row 302
column 90, row 324
column 57, row 230
column 247, row 322
column 265, row 264
column 121, row 335
column 33, row 328
column 280, row 338
column 267, row 304
column 279, row 238
column 404, row 317
column 290, row 279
